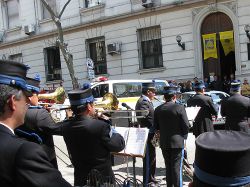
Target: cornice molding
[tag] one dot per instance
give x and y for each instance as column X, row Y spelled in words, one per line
column 105, row 21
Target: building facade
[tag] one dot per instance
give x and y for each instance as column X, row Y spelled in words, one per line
column 129, row 39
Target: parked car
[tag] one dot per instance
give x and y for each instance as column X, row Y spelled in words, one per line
column 216, row 96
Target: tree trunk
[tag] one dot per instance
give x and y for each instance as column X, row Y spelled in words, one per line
column 68, row 57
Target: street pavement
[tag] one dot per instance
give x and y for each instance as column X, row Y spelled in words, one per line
column 123, row 165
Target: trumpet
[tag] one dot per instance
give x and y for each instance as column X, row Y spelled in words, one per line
column 143, row 113
column 109, row 102
column 59, row 95
column 59, row 112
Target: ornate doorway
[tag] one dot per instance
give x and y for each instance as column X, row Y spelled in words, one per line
column 223, row 62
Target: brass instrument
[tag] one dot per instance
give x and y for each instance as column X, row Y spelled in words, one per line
column 58, row 113
column 156, row 139
column 108, row 105
column 109, row 102
column 58, row 95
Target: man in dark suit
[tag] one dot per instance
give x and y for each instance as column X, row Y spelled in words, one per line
column 170, row 119
column 22, row 163
column 203, row 120
column 89, row 141
column 236, row 109
column 39, row 121
column 145, row 103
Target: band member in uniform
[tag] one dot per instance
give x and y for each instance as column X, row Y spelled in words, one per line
column 90, row 141
column 170, row 119
column 222, row 158
column 38, row 120
column 22, row 163
column 203, row 120
column 236, row 109
column 145, row 103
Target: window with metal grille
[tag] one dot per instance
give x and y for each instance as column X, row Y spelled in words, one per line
column 150, row 47
column 91, row 3
column 16, row 57
column 97, row 52
column 45, row 12
column 52, row 64
column 12, row 10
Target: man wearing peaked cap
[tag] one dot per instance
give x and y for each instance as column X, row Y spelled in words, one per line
column 145, row 103
column 236, row 109
column 14, row 74
column 89, row 141
column 170, row 119
column 199, row 85
column 148, row 86
column 203, row 121
column 22, row 163
column 39, row 121
column 222, row 158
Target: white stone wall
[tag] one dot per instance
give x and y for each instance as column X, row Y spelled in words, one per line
column 179, row 64
column 244, row 18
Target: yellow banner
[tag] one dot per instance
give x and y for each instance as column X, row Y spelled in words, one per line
column 210, row 49
column 227, row 41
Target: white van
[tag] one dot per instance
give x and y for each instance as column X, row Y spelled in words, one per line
column 127, row 91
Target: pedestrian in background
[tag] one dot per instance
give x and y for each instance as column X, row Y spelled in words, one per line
column 245, row 88
column 222, row 159
column 232, row 77
column 170, row 119
column 225, row 84
column 22, row 163
column 188, row 86
column 203, row 121
column 206, row 83
column 149, row 161
column 236, row 109
column 215, row 84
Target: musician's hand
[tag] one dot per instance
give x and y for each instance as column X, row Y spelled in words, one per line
column 104, row 116
column 99, row 114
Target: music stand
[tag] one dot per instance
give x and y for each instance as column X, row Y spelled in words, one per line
column 135, row 140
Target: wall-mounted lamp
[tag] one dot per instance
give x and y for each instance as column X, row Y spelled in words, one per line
column 181, row 44
column 247, row 29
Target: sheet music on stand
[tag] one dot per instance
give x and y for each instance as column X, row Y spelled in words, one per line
column 135, row 141
column 192, row 112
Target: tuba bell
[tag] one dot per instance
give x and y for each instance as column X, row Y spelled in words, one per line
column 109, row 102
column 58, row 95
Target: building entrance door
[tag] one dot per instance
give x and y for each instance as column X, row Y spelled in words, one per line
column 217, row 32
